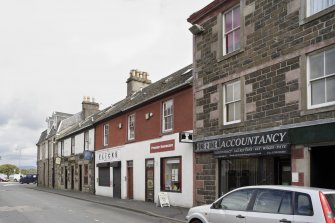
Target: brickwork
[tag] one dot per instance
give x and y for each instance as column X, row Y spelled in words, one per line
column 271, row 65
column 205, row 178
column 271, row 54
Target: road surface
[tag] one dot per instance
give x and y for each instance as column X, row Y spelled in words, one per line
column 22, row 204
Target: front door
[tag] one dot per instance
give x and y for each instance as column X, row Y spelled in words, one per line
column 149, row 180
column 130, row 182
column 80, row 178
column 65, row 177
column 117, row 182
column 72, row 177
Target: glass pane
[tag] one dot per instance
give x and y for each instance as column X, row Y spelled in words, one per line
column 237, row 91
column 237, row 201
column 286, row 204
column 237, row 111
column 228, row 21
column 237, row 40
column 268, row 201
column 303, row 205
column 330, row 61
column 331, row 200
column 229, row 42
column 230, row 112
column 316, row 66
column 229, row 93
column 318, row 92
column 330, row 83
column 236, row 17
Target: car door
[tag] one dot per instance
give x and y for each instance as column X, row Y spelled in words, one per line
column 231, row 208
column 271, row 206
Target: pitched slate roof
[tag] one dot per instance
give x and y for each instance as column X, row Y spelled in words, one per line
column 79, row 125
column 43, row 136
column 166, row 85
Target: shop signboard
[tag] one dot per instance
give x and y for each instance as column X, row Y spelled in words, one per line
column 264, row 143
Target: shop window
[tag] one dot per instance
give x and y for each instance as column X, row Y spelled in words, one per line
column 106, row 134
column 321, row 79
column 232, row 102
column 231, row 30
column 62, row 175
column 167, row 116
column 104, row 176
column 315, row 6
column 171, row 174
column 86, row 174
column 131, row 127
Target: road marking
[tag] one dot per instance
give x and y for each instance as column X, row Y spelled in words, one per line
column 23, row 208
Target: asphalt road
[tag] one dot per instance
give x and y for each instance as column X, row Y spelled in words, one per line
column 21, row 204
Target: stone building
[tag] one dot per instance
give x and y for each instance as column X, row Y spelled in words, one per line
column 74, row 163
column 46, row 149
column 264, row 87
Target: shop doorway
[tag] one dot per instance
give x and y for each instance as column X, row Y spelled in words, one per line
column 149, row 180
column 130, row 182
column 322, row 174
column 117, row 181
column 80, row 178
column 241, row 172
column 72, row 177
column 65, row 177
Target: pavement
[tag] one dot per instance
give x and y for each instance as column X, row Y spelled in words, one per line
column 172, row 213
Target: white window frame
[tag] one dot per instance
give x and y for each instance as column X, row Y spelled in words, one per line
column 224, row 33
column 309, row 2
column 73, row 145
column 106, row 134
column 86, row 140
column 131, row 127
column 166, row 116
column 309, row 86
column 225, row 103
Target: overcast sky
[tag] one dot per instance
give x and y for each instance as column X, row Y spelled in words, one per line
column 55, row 52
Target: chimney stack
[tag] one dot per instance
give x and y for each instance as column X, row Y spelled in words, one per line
column 136, row 81
column 89, row 107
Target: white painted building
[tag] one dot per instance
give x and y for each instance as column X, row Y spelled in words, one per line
column 136, row 156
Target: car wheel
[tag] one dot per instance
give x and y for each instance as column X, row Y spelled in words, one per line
column 196, row 221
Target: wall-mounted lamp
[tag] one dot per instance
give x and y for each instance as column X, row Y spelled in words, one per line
column 120, row 125
column 196, row 29
column 148, row 115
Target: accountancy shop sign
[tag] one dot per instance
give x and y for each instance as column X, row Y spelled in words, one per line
column 265, row 143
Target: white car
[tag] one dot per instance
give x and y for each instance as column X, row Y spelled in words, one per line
column 268, row 204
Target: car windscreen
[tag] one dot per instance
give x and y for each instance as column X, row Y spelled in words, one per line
column 331, row 201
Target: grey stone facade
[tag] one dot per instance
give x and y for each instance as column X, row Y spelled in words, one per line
column 276, row 38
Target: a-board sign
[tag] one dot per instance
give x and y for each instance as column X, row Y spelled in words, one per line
column 163, row 199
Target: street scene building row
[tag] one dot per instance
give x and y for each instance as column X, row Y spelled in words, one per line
column 257, row 106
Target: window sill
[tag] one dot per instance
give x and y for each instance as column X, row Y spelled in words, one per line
column 317, row 110
column 171, row 191
column 224, row 57
column 316, row 15
column 231, row 126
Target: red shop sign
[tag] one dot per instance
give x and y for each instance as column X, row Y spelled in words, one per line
column 157, row 147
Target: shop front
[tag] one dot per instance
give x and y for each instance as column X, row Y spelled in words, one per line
column 253, row 159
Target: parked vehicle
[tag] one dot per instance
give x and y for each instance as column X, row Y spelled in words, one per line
column 29, row 178
column 270, row 204
column 3, row 179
